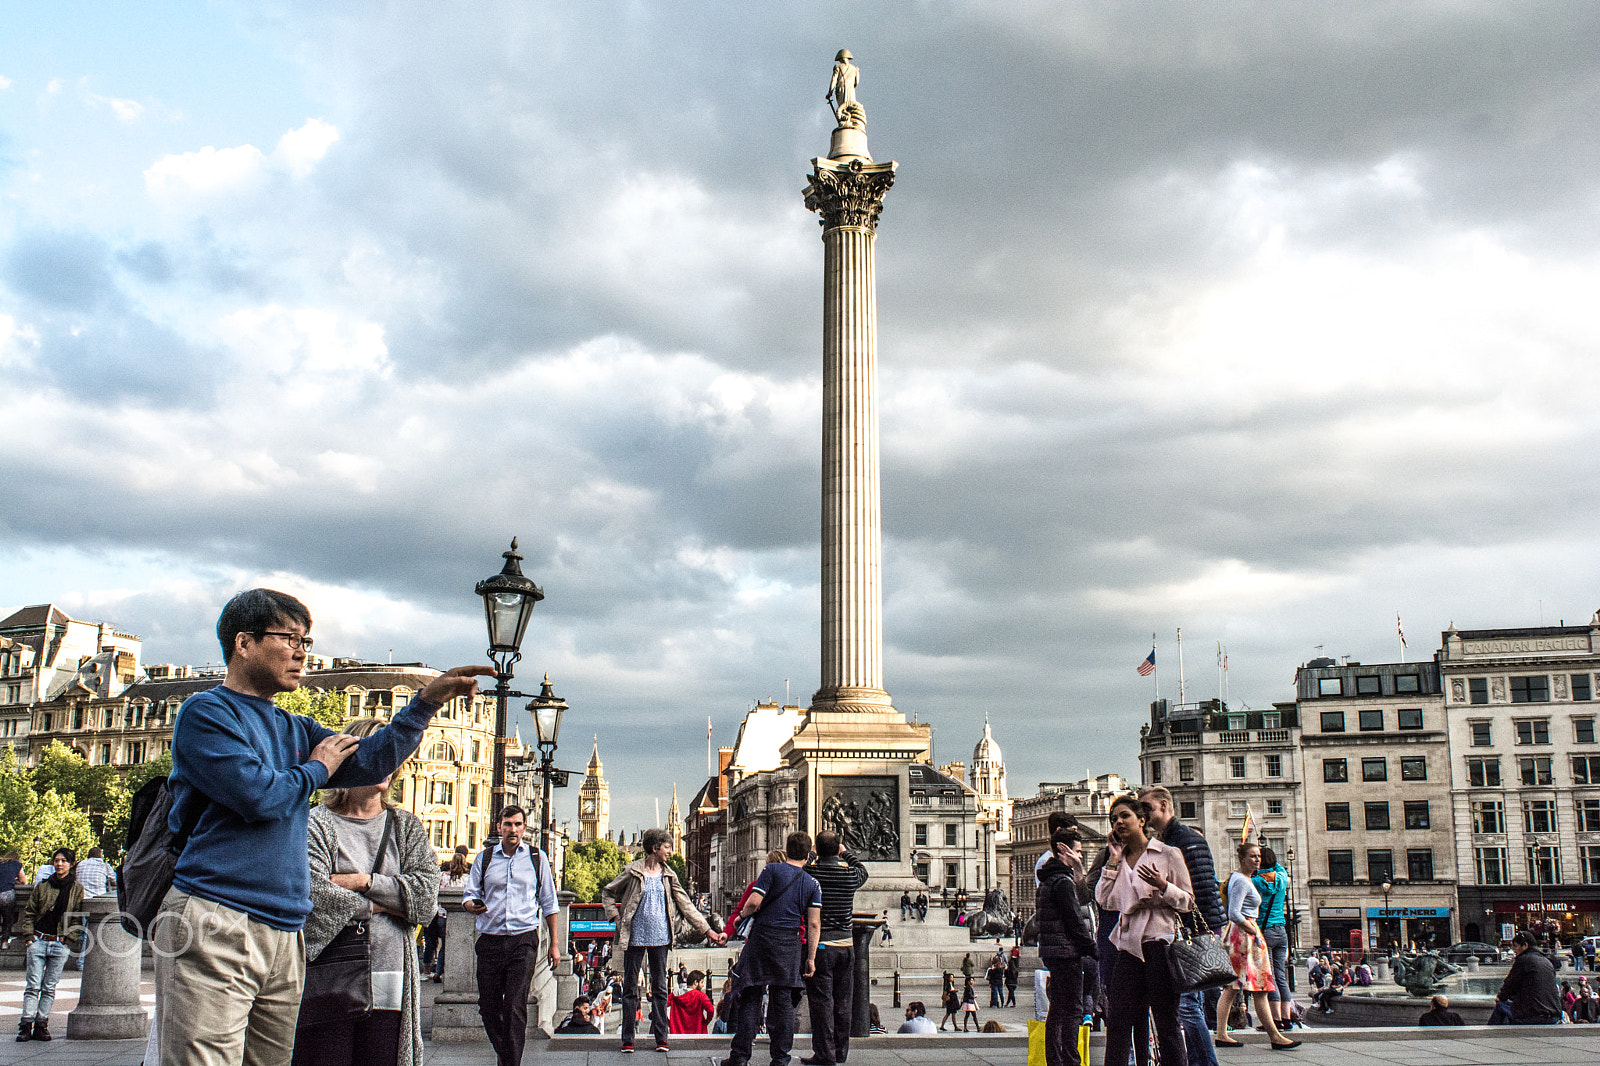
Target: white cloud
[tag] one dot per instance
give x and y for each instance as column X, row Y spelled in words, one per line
column 18, row 344
column 300, row 150
column 309, row 344
column 208, row 171
column 125, row 110
column 5, row 82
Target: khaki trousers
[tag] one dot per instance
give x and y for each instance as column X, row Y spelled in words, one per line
column 227, row 986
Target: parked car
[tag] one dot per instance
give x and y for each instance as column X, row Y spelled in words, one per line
column 1471, row 949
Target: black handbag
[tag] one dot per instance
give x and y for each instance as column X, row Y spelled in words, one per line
column 339, row 980
column 1198, row 960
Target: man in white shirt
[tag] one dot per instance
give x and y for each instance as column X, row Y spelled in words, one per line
column 95, row 874
column 917, row 1020
column 511, row 889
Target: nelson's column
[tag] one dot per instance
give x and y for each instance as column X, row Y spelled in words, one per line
column 852, row 756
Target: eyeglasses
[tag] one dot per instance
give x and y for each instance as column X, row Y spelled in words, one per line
column 294, row 640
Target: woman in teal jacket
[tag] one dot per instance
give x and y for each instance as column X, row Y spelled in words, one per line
column 1272, row 881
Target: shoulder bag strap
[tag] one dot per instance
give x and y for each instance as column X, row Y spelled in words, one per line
column 780, row 894
column 383, row 841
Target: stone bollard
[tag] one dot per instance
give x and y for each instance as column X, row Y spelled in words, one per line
column 455, row 1010
column 1380, row 970
column 108, row 1001
column 1472, row 964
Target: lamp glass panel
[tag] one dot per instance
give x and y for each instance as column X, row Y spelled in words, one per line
column 508, row 617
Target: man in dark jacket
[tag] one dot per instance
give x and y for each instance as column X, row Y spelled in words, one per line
column 1529, row 995
column 830, row 992
column 1065, row 941
column 1441, row 1014
column 1165, row 827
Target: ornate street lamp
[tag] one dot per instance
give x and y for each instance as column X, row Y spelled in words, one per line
column 547, row 709
column 1388, row 886
column 1293, row 917
column 508, row 599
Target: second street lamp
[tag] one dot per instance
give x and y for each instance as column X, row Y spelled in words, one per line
column 547, row 709
column 508, row 599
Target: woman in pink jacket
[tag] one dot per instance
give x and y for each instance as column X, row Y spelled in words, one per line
column 1147, row 884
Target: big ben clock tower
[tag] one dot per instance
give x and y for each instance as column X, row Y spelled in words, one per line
column 594, row 802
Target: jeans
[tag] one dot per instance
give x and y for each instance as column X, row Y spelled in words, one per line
column 830, row 992
column 45, row 959
column 1196, row 1034
column 1277, row 938
column 1066, row 1013
column 370, row 1040
column 746, row 1016
column 1138, row 985
column 994, row 994
column 1501, row 1015
column 632, row 959
column 505, row 972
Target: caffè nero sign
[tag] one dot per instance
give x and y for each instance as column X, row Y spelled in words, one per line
column 1526, row 646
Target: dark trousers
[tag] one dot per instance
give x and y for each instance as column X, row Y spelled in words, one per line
column 746, row 1016
column 505, row 970
column 1137, row 986
column 373, row 1040
column 1011, row 993
column 994, row 994
column 632, row 959
column 1066, row 1013
column 830, row 992
column 432, row 935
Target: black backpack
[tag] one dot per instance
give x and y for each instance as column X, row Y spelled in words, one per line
column 150, row 855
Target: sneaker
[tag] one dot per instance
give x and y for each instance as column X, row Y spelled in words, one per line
column 627, row 1047
column 661, row 1045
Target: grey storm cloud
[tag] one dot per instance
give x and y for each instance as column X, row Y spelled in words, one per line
column 1253, row 321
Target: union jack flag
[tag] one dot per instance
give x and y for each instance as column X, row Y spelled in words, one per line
column 1148, row 667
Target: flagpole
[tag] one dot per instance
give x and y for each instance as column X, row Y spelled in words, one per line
column 1219, row 677
column 1401, row 632
column 1180, row 666
column 1156, row 672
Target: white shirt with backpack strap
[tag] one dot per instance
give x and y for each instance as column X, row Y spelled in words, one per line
column 518, row 889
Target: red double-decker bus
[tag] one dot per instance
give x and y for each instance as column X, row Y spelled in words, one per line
column 587, row 925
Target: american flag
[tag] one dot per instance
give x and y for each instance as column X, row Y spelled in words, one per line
column 1148, row 667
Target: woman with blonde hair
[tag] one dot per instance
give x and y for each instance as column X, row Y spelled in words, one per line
column 370, row 862
column 1247, row 950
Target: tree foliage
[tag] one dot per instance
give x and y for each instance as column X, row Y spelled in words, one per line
column 680, row 868
column 33, row 822
column 327, row 706
column 68, row 774
column 592, row 866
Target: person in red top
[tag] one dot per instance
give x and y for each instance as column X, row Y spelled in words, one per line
column 692, row 1011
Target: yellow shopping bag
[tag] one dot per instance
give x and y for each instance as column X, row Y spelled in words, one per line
column 1036, row 1056
column 1083, row 1041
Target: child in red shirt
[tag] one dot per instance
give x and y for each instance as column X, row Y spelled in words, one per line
column 691, row 1012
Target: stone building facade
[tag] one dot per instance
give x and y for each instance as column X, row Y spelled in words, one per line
column 1376, row 761
column 1088, row 800
column 52, row 665
column 1525, row 776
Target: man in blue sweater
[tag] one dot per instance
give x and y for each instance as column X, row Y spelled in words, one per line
column 230, row 958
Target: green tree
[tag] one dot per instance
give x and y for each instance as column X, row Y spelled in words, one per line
column 62, row 770
column 680, row 868
column 592, row 866
column 327, row 706
column 33, row 822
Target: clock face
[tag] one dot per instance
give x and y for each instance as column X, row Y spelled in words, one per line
column 588, row 806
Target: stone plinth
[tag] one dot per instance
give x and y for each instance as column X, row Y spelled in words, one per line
column 108, row 1002
column 455, row 1009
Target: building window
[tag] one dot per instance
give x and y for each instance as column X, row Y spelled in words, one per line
column 1533, row 731
column 1544, row 865
column 1481, row 736
column 1335, row 770
column 1489, row 816
column 1530, row 689
column 1580, row 688
column 441, row 833
column 1236, row 766
column 1274, row 806
column 105, row 755
column 1588, row 815
column 1583, row 730
column 1419, row 864
column 1586, row 769
column 1409, row 718
column 1368, row 686
column 1407, row 683
column 1413, row 768
column 1330, row 686
column 1492, row 866
column 472, row 795
column 1372, row 721
column 1342, row 867
column 1155, row 771
column 1338, row 816
column 950, row 835
column 1535, row 769
column 1274, row 765
column 1374, row 769
column 77, row 716
column 919, row 834
column 472, row 835
column 441, row 751
column 1185, row 769
column 1333, row 721
column 1377, row 815
column 135, row 752
column 1589, row 860
column 1483, row 773
column 952, row 873
column 1235, row 723
column 441, row 792
column 1417, row 814
column 477, row 751
column 1238, row 808
column 1187, row 810
column 1538, row 816
column 1478, row 689
column 1380, row 865
column 1271, row 720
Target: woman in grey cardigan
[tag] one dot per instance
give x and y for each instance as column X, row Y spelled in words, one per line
column 343, row 835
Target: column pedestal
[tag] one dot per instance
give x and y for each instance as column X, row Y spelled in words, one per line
column 455, row 1009
column 108, row 1002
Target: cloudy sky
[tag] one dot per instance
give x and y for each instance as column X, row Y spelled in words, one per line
column 1263, row 321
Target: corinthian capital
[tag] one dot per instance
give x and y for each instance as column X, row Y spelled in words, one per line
column 848, row 193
